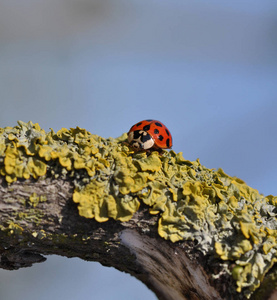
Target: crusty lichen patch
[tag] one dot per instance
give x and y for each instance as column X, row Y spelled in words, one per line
column 222, row 214
column 34, row 200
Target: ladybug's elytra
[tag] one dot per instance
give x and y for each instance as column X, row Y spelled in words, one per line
column 149, row 134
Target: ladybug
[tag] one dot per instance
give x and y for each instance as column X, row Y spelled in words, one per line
column 149, row 134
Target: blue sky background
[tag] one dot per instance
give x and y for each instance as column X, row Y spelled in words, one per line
column 207, row 69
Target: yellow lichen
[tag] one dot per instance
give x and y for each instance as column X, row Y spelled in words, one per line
column 150, row 163
column 223, row 215
column 95, row 202
column 15, row 229
column 34, row 199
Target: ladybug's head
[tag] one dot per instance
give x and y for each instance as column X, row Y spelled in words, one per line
column 140, row 140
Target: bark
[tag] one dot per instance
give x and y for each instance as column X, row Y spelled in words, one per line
column 172, row 271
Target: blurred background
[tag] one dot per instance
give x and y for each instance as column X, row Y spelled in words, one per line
column 207, row 69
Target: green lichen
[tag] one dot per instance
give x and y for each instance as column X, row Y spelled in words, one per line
column 269, row 285
column 41, row 234
column 14, row 228
column 34, row 199
column 225, row 217
column 30, row 214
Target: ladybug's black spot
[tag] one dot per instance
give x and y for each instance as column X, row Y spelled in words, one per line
column 136, row 134
column 138, row 124
column 168, row 143
column 160, row 137
column 158, row 124
column 156, row 131
column 167, row 132
column 149, row 120
column 146, row 127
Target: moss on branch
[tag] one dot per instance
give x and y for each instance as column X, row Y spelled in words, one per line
column 225, row 217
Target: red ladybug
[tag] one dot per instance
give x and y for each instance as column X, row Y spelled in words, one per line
column 149, row 134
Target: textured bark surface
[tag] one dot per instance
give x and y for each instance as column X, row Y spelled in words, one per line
column 54, row 227
column 29, row 231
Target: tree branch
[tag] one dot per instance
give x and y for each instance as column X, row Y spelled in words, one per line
column 187, row 232
column 55, row 227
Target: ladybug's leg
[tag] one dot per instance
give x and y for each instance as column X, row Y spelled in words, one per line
column 155, row 148
column 161, row 151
